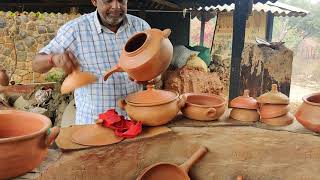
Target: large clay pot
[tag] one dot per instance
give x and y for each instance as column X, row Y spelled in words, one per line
column 308, row 113
column 145, row 56
column 4, row 78
column 203, row 107
column 24, row 141
column 152, row 107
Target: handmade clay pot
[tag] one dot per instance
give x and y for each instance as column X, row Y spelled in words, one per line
column 4, row 78
column 145, row 56
column 273, row 97
column 203, row 107
column 284, row 120
column 246, row 115
column 76, row 80
column 273, row 110
column 244, row 101
column 152, row 107
column 308, row 113
column 24, row 141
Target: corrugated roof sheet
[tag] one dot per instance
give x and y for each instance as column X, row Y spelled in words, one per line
column 276, row 8
column 198, row 3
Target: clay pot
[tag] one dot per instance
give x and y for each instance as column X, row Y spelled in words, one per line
column 273, row 97
column 76, row 80
column 152, row 107
column 244, row 101
column 24, row 141
column 246, row 115
column 145, row 56
column 308, row 113
column 284, row 120
column 4, row 78
column 203, row 107
column 273, row 110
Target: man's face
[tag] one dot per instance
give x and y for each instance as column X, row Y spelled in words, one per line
column 111, row 12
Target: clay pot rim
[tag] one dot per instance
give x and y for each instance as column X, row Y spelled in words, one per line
column 46, row 121
column 178, row 168
column 306, row 99
column 153, row 104
column 141, row 47
column 208, row 95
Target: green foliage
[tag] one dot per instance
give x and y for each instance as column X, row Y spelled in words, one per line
column 54, row 76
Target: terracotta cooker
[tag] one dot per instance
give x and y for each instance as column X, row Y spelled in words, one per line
column 247, row 115
column 169, row 171
column 152, row 107
column 273, row 110
column 203, row 106
column 273, row 97
column 284, row 120
column 145, row 56
column 4, row 78
column 24, row 141
column 308, row 113
column 244, row 101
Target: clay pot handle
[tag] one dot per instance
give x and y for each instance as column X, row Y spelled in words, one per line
column 194, row 158
column 211, row 112
column 52, row 134
column 122, row 104
column 116, row 68
column 166, row 33
column 182, row 101
column 246, row 93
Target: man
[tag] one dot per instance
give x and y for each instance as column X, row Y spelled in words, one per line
column 94, row 43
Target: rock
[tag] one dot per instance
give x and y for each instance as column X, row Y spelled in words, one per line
column 21, row 56
column 20, row 46
column 3, row 23
column 42, row 29
column 22, row 104
column 29, row 41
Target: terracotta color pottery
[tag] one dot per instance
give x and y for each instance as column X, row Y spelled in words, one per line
column 203, row 107
column 76, row 80
column 95, row 135
column 273, row 110
column 145, row 56
column 273, row 97
column 152, row 107
column 308, row 113
column 4, row 78
column 246, row 115
column 169, row 171
column 244, row 101
column 284, row 120
column 24, row 141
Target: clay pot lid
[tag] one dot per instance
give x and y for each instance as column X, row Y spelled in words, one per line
column 152, row 96
column 76, row 80
column 273, row 97
column 244, row 101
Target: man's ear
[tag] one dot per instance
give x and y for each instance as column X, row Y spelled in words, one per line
column 94, row 2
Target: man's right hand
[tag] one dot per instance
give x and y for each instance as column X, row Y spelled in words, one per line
column 66, row 61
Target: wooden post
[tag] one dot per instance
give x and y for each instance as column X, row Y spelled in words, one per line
column 203, row 25
column 269, row 29
column 240, row 15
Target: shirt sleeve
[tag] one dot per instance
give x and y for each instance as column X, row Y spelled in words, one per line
column 64, row 40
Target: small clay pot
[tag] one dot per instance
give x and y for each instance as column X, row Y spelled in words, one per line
column 145, row 56
column 308, row 113
column 24, row 141
column 203, row 107
column 244, row 101
column 284, row 120
column 273, row 97
column 152, row 107
column 273, row 110
column 246, row 115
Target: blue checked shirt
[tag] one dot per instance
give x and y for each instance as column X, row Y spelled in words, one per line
column 97, row 49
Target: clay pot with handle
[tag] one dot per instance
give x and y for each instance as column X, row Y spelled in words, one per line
column 308, row 113
column 152, row 107
column 145, row 56
column 203, row 106
column 24, row 141
column 4, row 78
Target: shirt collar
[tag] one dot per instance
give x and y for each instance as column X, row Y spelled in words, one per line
column 100, row 28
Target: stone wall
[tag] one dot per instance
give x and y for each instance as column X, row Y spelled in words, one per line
column 22, row 35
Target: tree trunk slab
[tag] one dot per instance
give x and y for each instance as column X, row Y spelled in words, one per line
column 251, row 152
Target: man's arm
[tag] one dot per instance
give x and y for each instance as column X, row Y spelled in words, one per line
column 42, row 63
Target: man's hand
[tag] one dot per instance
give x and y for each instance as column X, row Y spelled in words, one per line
column 66, row 61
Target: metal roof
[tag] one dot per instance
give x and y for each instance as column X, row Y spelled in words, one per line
column 198, row 3
column 276, row 8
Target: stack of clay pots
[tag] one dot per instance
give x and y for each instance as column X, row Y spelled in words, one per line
column 274, row 108
column 244, row 108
